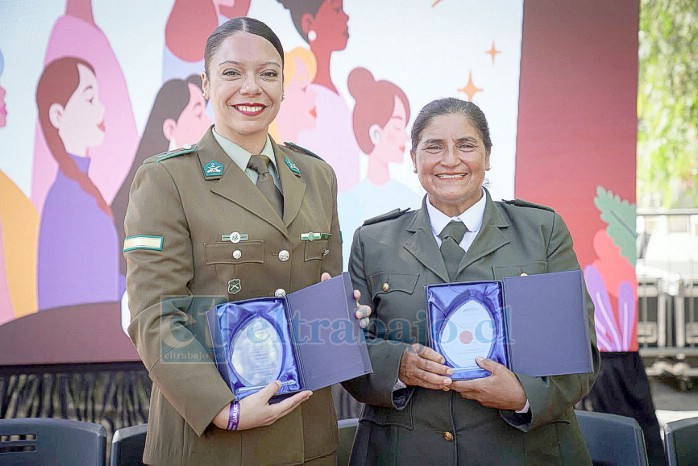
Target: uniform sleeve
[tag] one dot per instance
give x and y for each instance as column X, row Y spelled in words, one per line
column 167, row 323
column 376, row 388
column 551, row 398
column 333, row 262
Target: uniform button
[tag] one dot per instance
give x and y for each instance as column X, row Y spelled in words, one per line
column 524, row 274
column 386, row 287
column 448, row 436
column 237, row 254
column 280, row 293
column 284, row 255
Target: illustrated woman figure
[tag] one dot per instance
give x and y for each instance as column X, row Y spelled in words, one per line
column 323, row 24
column 78, row 248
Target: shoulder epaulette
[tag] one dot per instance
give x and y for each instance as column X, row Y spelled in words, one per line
column 302, row 150
column 386, row 216
column 520, row 203
column 189, row 148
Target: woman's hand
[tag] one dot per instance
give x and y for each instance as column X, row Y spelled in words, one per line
column 501, row 390
column 423, row 367
column 255, row 410
column 362, row 311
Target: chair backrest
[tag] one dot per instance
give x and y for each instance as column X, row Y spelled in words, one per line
column 681, row 442
column 59, row 442
column 347, row 431
column 612, row 439
column 127, row 446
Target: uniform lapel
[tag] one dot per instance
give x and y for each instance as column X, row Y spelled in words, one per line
column 234, row 185
column 292, row 183
column 489, row 238
column 422, row 244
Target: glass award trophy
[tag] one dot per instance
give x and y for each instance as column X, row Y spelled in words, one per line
column 307, row 340
column 256, row 346
column 466, row 321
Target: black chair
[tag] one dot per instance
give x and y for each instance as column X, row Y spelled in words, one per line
column 127, row 446
column 612, row 439
column 58, row 442
column 681, row 442
column 347, row 431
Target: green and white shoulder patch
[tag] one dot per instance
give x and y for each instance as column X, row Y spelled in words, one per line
column 144, row 242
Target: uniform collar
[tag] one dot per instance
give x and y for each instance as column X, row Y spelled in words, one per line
column 472, row 217
column 240, row 156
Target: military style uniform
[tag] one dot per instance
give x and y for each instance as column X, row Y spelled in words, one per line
column 393, row 258
column 199, row 232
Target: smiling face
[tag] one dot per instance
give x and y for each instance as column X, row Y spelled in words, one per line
column 80, row 122
column 390, row 146
column 451, row 161
column 244, row 85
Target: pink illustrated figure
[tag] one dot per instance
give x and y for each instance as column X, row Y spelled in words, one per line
column 380, row 120
column 78, row 249
column 298, row 112
column 323, row 24
column 177, row 118
column 19, row 224
column 75, row 34
column 188, row 25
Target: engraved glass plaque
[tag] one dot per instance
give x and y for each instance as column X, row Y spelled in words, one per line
column 257, row 352
column 468, row 332
column 466, row 321
column 253, row 347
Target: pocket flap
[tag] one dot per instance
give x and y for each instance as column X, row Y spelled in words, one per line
column 225, row 252
column 387, row 282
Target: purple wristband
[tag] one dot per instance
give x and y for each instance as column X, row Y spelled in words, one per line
column 234, row 416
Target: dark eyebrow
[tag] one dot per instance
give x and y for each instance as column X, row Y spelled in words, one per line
column 237, row 63
column 433, row 141
column 467, row 139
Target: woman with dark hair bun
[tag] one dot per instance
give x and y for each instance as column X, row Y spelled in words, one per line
column 416, row 411
column 226, row 218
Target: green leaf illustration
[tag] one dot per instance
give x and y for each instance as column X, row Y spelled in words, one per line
column 620, row 218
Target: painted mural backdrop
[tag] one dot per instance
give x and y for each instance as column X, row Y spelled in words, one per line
column 90, row 88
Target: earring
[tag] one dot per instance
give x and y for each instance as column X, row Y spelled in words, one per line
column 414, row 169
column 312, row 35
column 374, row 134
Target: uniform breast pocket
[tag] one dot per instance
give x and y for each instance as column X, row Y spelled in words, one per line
column 316, row 250
column 233, row 262
column 390, row 282
column 531, row 268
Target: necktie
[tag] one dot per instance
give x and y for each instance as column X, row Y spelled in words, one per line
column 451, row 236
column 265, row 182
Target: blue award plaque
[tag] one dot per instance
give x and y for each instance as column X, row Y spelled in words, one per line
column 308, row 340
column 466, row 321
column 253, row 346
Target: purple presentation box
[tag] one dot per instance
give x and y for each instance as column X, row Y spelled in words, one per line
column 308, row 339
column 535, row 325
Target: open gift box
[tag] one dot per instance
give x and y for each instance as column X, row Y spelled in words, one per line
column 534, row 325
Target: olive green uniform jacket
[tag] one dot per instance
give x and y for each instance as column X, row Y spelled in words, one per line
column 421, row 426
column 186, row 201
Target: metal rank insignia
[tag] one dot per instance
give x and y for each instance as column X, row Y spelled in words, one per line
column 213, row 168
column 310, row 236
column 234, row 286
column 235, row 237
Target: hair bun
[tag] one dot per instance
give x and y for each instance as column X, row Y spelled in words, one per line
column 359, row 79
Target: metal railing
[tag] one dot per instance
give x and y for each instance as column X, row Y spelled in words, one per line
column 667, row 273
